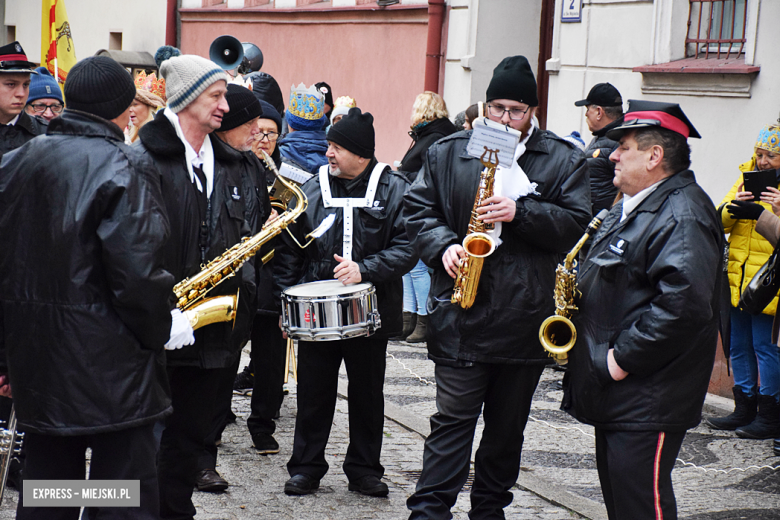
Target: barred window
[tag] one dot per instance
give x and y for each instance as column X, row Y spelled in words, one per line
column 716, row 29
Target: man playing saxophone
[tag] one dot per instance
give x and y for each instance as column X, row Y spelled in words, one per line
column 489, row 354
column 212, row 205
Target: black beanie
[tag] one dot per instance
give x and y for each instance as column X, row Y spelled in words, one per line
column 269, row 112
column 513, row 79
column 355, row 132
column 243, row 106
column 100, row 86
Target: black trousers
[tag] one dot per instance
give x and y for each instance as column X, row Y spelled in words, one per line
column 635, row 471
column 318, row 374
column 268, row 359
column 193, row 393
column 122, row 455
column 503, row 394
column 222, row 409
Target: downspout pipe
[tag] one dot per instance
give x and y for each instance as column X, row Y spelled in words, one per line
column 170, row 23
column 433, row 52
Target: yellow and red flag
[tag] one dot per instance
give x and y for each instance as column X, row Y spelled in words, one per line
column 57, row 49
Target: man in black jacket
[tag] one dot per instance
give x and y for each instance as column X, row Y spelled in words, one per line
column 647, row 326
column 367, row 243
column 16, row 126
column 84, row 300
column 211, row 207
column 603, row 112
column 489, row 355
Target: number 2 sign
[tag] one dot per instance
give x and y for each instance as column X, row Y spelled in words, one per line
column 572, row 11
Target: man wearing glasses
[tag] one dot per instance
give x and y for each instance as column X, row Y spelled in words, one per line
column 488, row 357
column 45, row 99
column 16, row 126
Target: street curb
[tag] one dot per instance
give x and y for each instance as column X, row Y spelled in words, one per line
column 550, row 492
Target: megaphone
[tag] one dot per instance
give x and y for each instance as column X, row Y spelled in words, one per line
column 253, row 59
column 227, row 52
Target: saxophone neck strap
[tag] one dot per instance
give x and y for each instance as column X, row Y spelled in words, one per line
column 349, row 203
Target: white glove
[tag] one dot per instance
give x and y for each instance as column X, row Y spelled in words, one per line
column 181, row 331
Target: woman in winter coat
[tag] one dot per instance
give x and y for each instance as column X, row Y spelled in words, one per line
column 429, row 124
column 753, row 353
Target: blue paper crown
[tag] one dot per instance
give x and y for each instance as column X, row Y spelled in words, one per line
column 306, row 103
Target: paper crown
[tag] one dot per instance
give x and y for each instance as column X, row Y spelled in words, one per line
column 242, row 81
column 306, row 103
column 345, row 101
column 151, row 84
column 769, row 138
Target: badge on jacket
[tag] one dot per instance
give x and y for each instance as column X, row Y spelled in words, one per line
column 618, row 246
column 234, row 193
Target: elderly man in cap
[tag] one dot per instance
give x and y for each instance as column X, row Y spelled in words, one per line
column 211, row 206
column 488, row 357
column 367, row 244
column 16, row 126
column 603, row 112
column 45, row 99
column 85, row 309
column 648, row 314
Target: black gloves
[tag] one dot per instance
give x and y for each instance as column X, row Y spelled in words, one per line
column 744, row 210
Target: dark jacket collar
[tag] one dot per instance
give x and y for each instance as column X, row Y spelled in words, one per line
column 35, row 126
column 438, row 126
column 610, row 126
column 159, row 137
column 657, row 198
column 76, row 122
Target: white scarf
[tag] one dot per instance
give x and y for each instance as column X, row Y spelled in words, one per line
column 512, row 182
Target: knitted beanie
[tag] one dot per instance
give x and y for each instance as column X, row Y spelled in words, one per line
column 513, row 79
column 100, row 86
column 243, row 105
column 43, row 85
column 187, row 77
column 355, row 132
column 269, row 112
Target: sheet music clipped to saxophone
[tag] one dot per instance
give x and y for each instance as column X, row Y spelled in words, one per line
column 493, row 136
column 294, row 174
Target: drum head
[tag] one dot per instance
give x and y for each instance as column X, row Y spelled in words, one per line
column 325, row 288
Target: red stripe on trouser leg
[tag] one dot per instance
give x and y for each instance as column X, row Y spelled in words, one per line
column 659, row 514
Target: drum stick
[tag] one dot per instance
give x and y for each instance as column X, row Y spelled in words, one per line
column 287, row 362
column 293, row 361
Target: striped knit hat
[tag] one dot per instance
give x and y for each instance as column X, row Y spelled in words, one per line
column 187, row 77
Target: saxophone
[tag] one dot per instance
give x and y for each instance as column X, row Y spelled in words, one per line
column 191, row 292
column 477, row 243
column 557, row 333
column 10, row 447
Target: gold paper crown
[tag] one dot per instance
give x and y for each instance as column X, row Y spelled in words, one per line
column 345, row 101
column 306, row 103
column 769, row 138
column 242, row 81
column 151, row 84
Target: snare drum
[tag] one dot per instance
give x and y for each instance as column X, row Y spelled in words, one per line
column 328, row 311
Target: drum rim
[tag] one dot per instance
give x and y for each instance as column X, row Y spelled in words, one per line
column 368, row 289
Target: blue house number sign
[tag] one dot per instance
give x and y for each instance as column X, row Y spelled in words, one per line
column 572, row 11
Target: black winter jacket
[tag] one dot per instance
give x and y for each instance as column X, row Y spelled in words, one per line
column 84, row 295
column 235, row 211
column 26, row 127
column 422, row 140
column 516, row 288
column 601, row 169
column 380, row 245
column 650, row 290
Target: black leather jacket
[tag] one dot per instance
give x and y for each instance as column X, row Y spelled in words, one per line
column 516, row 287
column 84, row 308
column 235, row 211
column 651, row 290
column 601, row 169
column 380, row 245
column 422, row 140
column 26, row 127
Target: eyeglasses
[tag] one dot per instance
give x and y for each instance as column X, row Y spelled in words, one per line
column 40, row 108
column 514, row 113
column 269, row 136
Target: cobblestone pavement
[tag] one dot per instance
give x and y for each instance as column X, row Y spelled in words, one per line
column 558, row 463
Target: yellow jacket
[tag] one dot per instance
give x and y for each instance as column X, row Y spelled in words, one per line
column 748, row 250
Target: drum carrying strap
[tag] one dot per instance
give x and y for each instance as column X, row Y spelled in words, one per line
column 348, row 204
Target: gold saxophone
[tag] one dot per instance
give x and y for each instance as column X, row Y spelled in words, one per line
column 477, row 243
column 557, row 333
column 191, row 292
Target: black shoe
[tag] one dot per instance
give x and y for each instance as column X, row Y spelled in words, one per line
column 745, row 411
column 245, row 380
column 369, row 485
column 776, row 447
column 767, row 423
column 210, row 481
column 419, row 333
column 265, row 444
column 301, row 484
